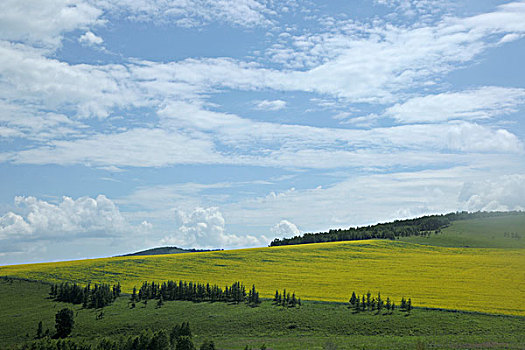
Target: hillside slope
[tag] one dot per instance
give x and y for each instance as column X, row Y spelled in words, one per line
column 314, row 325
column 490, row 232
column 485, row 280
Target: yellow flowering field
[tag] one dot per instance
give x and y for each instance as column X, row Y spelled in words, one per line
column 485, row 279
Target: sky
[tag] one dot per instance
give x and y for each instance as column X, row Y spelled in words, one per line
column 132, row 124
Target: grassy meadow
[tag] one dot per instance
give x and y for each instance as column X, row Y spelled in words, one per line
column 489, row 232
column 488, row 280
column 316, row 325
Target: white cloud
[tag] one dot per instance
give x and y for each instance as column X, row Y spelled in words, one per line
column 469, row 137
column 89, row 38
column 29, row 78
column 205, row 227
column 270, row 105
column 365, row 62
column 218, row 138
column 372, row 198
column 26, row 121
column 191, row 13
column 482, row 103
column 285, row 229
column 87, row 217
column 504, row 193
column 137, row 147
column 44, row 22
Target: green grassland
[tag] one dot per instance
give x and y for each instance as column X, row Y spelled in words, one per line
column 473, row 279
column 490, row 232
column 316, row 325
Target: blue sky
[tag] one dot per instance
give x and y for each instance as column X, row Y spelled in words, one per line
column 224, row 124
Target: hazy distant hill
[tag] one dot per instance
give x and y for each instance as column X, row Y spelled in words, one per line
column 168, row 250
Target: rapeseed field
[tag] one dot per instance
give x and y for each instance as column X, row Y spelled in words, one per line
column 471, row 279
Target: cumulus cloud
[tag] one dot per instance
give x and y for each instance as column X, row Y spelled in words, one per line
column 89, row 38
column 36, row 219
column 270, row 105
column 205, row 227
column 44, row 22
column 504, row 193
column 285, row 229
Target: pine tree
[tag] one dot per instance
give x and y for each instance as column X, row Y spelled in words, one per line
column 352, row 299
column 64, row 322
column 208, row 345
column 185, row 343
column 160, row 302
column 379, row 303
column 133, row 297
column 39, row 331
column 409, row 305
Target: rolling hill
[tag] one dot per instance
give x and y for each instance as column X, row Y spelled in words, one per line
column 168, row 250
column 490, row 280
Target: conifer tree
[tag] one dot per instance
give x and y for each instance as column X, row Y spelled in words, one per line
column 39, row 331
column 208, row 345
column 160, row 302
column 352, row 299
column 133, row 297
column 379, row 303
column 64, row 322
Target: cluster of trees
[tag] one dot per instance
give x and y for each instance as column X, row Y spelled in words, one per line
column 514, row 235
column 179, row 338
column 192, row 291
column 285, row 299
column 399, row 228
column 370, row 303
column 98, row 296
column 64, row 323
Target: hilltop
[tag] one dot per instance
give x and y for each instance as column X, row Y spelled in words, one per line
column 168, row 250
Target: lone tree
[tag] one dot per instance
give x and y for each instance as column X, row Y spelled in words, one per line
column 64, row 323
